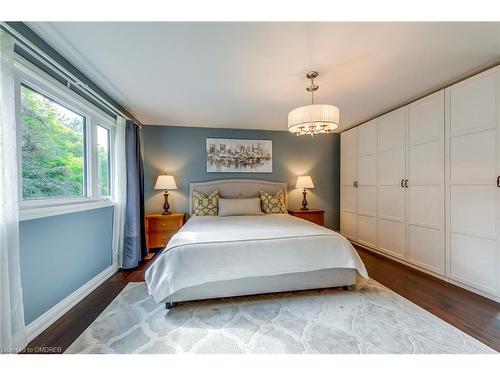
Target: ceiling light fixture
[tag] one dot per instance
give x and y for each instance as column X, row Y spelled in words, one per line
column 315, row 118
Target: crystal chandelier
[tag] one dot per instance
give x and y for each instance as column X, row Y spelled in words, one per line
column 315, row 118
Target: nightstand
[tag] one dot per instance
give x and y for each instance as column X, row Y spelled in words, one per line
column 313, row 215
column 160, row 228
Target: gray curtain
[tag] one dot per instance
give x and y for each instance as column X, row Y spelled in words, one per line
column 135, row 233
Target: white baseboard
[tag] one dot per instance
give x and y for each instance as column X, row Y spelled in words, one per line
column 49, row 317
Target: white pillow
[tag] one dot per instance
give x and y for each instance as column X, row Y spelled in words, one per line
column 238, row 207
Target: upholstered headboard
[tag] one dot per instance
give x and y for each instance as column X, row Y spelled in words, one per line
column 237, row 188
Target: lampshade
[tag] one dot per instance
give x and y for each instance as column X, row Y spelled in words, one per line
column 313, row 119
column 165, row 182
column 304, row 182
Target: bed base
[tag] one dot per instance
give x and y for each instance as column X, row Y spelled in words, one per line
column 170, row 305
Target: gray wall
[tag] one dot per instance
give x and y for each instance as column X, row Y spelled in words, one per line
column 180, row 151
column 61, row 253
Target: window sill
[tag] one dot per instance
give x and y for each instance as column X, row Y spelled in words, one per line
column 39, row 212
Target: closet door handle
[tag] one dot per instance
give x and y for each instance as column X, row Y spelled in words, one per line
column 406, row 183
column 498, row 181
column 403, row 183
column 354, row 184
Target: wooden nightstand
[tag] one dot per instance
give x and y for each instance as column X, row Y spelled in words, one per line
column 313, row 215
column 160, row 228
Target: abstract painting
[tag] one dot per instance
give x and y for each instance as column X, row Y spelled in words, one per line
column 239, row 155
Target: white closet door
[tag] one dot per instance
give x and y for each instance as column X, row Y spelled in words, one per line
column 472, row 192
column 367, row 184
column 348, row 175
column 392, row 168
column 425, row 192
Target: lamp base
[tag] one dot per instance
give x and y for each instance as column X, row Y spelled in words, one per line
column 166, row 206
column 304, row 201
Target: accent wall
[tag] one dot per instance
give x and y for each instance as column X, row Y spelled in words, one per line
column 181, row 151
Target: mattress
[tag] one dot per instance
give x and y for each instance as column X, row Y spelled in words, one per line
column 211, row 249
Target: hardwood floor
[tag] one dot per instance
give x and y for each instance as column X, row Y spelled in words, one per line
column 71, row 325
column 471, row 313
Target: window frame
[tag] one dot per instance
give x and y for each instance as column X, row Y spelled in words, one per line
column 33, row 78
column 111, row 160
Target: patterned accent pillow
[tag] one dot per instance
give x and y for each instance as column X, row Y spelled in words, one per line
column 206, row 205
column 273, row 204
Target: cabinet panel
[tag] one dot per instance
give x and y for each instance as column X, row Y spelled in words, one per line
column 392, row 130
column 367, row 138
column 473, row 261
column 473, row 157
column 392, row 167
column 367, row 170
column 473, row 209
column 367, row 230
column 472, row 192
column 392, row 237
column 367, row 201
column 425, row 118
column 392, row 203
column 473, row 104
column 426, row 248
column 348, row 201
column 348, row 225
column 348, row 172
column 426, row 206
column 392, row 170
column 348, row 175
column 426, row 163
column 425, row 192
column 349, row 144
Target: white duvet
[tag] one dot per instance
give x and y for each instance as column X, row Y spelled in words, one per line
column 213, row 248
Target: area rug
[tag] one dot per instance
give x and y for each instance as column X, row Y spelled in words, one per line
column 368, row 318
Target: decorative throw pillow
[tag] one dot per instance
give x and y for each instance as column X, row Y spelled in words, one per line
column 273, row 204
column 206, row 205
column 239, row 207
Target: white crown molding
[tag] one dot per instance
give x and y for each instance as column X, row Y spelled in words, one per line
column 49, row 317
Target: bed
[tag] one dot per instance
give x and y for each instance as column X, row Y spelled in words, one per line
column 215, row 257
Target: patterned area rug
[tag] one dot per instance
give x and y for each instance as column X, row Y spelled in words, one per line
column 369, row 318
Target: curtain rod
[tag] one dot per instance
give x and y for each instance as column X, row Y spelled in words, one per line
column 48, row 61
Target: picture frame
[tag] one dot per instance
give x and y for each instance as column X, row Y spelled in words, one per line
column 227, row 155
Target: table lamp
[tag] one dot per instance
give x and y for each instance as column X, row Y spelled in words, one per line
column 304, row 182
column 165, row 182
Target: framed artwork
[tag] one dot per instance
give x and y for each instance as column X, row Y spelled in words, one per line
column 239, row 155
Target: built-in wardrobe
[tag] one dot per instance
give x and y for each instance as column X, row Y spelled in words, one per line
column 421, row 184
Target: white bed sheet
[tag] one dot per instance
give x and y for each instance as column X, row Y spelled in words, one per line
column 212, row 248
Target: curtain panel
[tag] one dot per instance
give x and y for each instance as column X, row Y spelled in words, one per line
column 119, row 192
column 135, row 232
column 12, row 326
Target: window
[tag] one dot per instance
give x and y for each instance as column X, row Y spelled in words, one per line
column 65, row 147
column 52, row 147
column 103, row 160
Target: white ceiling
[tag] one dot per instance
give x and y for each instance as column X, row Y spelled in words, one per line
column 250, row 75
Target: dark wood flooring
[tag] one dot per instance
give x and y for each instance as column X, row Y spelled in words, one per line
column 473, row 314
column 71, row 325
column 469, row 312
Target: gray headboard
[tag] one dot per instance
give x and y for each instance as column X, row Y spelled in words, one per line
column 237, row 188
